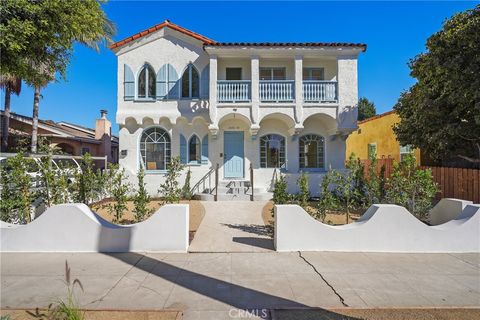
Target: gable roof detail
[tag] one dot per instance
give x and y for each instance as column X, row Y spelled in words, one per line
column 164, row 24
column 212, row 43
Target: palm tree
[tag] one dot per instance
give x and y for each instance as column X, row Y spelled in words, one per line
column 47, row 74
column 11, row 84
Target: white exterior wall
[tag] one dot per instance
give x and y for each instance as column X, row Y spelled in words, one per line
column 347, row 93
column 254, row 118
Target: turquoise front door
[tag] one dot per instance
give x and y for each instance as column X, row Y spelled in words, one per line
column 233, row 154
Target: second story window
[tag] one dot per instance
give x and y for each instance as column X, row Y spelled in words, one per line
column 233, row 73
column 310, row 74
column 146, row 83
column 190, row 83
column 273, row 74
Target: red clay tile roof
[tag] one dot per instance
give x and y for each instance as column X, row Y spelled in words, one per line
column 166, row 23
column 287, row 44
column 209, row 42
column 377, row 116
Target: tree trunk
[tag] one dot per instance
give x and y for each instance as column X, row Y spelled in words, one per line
column 36, row 99
column 6, row 119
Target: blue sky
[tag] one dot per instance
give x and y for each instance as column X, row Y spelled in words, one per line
column 393, row 31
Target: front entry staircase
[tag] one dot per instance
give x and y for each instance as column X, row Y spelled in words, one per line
column 211, row 188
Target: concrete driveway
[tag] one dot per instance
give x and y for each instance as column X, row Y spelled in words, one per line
column 232, row 226
column 224, row 285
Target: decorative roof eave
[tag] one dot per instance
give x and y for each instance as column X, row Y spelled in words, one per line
column 157, row 27
column 268, row 45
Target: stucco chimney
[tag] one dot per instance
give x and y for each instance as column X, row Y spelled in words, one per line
column 103, row 132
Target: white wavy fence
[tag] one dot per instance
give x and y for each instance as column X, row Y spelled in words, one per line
column 383, row 228
column 75, row 228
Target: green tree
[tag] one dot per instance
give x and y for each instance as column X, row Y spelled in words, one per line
column 328, row 200
column 440, row 114
column 11, row 84
column 411, row 187
column 38, row 37
column 16, row 195
column 141, row 198
column 304, row 194
column 187, row 190
column 118, row 189
column 169, row 189
column 366, row 109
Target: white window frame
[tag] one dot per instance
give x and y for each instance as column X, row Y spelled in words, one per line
column 271, row 69
column 168, row 148
column 264, row 165
column 199, row 145
column 147, row 68
column 320, row 140
column 309, row 71
column 189, row 70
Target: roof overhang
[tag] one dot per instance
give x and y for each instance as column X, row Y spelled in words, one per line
column 284, row 50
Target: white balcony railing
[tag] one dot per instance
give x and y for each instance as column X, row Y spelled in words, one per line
column 233, row 91
column 319, row 91
column 277, row 90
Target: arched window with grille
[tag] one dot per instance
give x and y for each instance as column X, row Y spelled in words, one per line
column 272, row 151
column 146, row 83
column 312, row 152
column 155, row 149
column 190, row 82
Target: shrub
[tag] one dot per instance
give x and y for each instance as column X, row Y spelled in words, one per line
column 345, row 191
column 16, row 195
column 186, row 190
column 327, row 200
column 54, row 182
column 169, row 189
column 141, row 198
column 86, row 181
column 280, row 194
column 304, row 194
column 359, row 182
column 411, row 187
column 118, row 190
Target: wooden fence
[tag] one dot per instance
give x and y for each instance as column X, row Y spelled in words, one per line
column 458, row 183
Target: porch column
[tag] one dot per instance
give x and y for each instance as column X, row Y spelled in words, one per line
column 298, row 91
column 255, row 69
column 347, row 93
column 213, row 91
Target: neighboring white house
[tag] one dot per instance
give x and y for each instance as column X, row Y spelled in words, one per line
column 267, row 106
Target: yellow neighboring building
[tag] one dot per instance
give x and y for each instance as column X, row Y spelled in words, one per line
column 375, row 135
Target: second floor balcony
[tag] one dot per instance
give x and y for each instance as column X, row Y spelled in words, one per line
column 276, row 91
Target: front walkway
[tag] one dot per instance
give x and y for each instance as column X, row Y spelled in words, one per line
column 232, row 226
column 221, row 285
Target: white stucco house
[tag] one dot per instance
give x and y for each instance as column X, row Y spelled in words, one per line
column 248, row 109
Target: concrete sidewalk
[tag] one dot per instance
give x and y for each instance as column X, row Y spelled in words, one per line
column 211, row 285
column 232, row 226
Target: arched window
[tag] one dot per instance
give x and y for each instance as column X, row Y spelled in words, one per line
column 194, row 150
column 190, row 83
column 155, row 149
column 146, row 83
column 272, row 151
column 312, row 151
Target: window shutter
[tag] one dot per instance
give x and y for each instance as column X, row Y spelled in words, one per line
column 205, row 149
column 162, row 82
column 183, row 149
column 204, row 83
column 172, row 85
column 128, row 83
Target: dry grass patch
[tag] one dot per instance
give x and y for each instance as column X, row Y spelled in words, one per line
column 101, row 314
column 196, row 209
column 335, row 218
